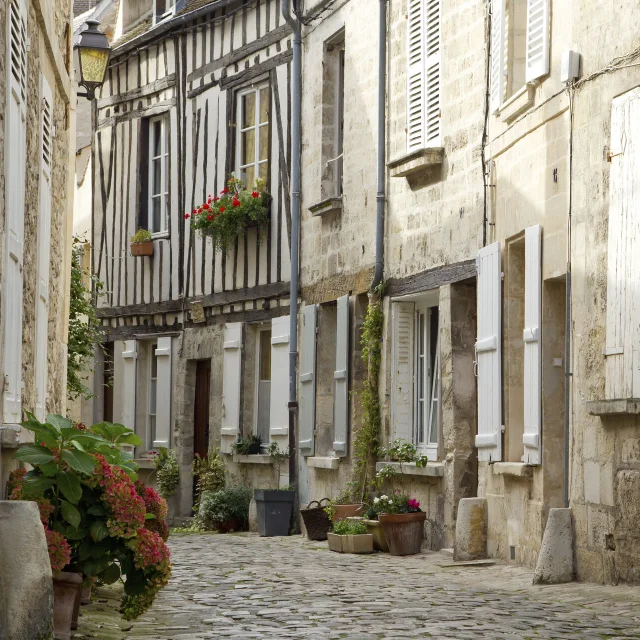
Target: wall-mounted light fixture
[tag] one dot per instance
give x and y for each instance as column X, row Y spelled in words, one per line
column 93, row 53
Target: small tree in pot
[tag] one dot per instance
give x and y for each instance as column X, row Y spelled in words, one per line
column 275, row 506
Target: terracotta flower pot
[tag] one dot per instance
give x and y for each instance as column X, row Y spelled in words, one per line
column 67, row 587
column 230, row 525
column 379, row 541
column 142, row 248
column 403, row 532
column 342, row 511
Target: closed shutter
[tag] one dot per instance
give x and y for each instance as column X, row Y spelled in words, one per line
column 532, row 345
column 415, row 75
column 489, row 354
column 497, row 53
column 432, row 72
column 341, row 380
column 15, row 167
column 622, row 350
column 278, row 406
column 537, row 39
column 163, row 393
column 129, row 383
column 44, row 239
column 231, row 376
column 402, row 373
column 308, row 380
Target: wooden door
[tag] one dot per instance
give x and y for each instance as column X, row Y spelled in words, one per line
column 201, row 408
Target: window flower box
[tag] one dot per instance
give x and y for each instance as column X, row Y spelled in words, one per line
column 142, row 243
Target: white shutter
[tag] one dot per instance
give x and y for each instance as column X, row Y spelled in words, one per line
column 489, row 354
column 402, row 372
column 415, row 75
column 15, row 168
column 497, row 53
column 622, row 351
column 537, row 39
column 532, row 345
column 279, row 401
column 129, row 383
column 44, row 239
column 163, row 393
column 341, row 380
column 432, row 72
column 308, row 380
column 231, row 377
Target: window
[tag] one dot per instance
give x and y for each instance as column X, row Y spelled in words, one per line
column 153, row 393
column 263, row 391
column 163, row 9
column 158, row 205
column 253, row 134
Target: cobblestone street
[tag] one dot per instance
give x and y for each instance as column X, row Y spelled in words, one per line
column 243, row 586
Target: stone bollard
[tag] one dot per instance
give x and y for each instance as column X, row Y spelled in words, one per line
column 471, row 530
column 555, row 561
column 26, row 588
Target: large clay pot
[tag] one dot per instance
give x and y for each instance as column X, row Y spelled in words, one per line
column 342, row 511
column 404, row 532
column 230, row 525
column 67, row 587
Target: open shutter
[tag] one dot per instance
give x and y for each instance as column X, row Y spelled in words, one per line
column 415, row 75
column 231, row 376
column 308, row 380
column 44, row 239
column 15, row 168
column 163, row 397
column 532, row 345
column 497, row 53
column 402, row 373
column 432, row 72
column 278, row 406
column 129, row 365
column 341, row 380
column 489, row 354
column 537, row 39
column 622, row 350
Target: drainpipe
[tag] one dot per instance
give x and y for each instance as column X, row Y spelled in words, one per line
column 296, row 99
column 380, row 196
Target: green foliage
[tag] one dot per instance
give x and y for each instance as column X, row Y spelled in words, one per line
column 209, row 473
column 218, row 507
column 404, row 452
column 84, row 326
column 278, row 457
column 248, row 445
column 167, row 472
column 349, row 527
column 141, row 235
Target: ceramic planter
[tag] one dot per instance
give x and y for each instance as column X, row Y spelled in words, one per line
column 342, row 511
column 274, row 509
column 335, row 542
column 142, row 248
column 362, row 543
column 379, row 541
column 67, row 587
column 403, row 532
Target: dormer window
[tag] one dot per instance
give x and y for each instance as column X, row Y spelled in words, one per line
column 163, row 9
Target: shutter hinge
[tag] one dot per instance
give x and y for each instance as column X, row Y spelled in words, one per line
column 501, row 428
column 502, row 275
column 6, row 383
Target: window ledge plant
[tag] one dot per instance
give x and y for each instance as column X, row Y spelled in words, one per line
column 141, row 243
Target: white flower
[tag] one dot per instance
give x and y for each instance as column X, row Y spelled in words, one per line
column 384, row 497
column 376, row 500
column 390, row 501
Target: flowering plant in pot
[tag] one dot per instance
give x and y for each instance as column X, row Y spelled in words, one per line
column 402, row 521
column 99, row 522
column 350, row 536
column 141, row 243
column 229, row 214
column 225, row 510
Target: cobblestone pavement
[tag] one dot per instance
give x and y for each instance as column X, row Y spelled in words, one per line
column 242, row 586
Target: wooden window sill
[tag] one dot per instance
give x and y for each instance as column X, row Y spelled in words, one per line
column 326, row 207
column 318, row 462
column 513, row 469
column 416, row 162
column 622, row 407
column 432, row 470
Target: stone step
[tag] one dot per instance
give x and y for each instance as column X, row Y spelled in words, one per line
column 447, row 552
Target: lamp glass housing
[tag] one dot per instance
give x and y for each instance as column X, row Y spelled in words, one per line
column 93, row 65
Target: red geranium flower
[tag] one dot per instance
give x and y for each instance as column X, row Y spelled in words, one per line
column 205, row 206
column 235, row 202
column 216, row 199
column 186, row 216
column 255, row 194
column 221, row 209
column 225, row 190
column 210, row 216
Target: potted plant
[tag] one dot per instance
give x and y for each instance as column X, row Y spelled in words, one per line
column 344, row 507
column 141, row 243
column 402, row 522
column 350, row 536
column 248, row 446
column 225, row 510
column 209, row 474
column 375, row 528
column 98, row 522
column 275, row 506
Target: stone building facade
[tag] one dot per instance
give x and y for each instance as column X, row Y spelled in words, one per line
column 37, row 105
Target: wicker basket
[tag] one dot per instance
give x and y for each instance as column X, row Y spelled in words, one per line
column 316, row 521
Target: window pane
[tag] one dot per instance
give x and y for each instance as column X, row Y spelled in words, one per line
column 248, row 110
column 248, row 147
column 156, row 177
column 154, row 362
column 265, row 355
column 249, row 176
column 153, row 396
column 263, row 169
column 156, row 138
column 152, row 429
column 264, row 143
column 156, row 215
column 264, row 104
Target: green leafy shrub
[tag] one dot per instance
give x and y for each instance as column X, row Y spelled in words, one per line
column 209, row 473
column 167, row 472
column 218, row 507
column 349, row 527
column 141, row 235
column 250, row 445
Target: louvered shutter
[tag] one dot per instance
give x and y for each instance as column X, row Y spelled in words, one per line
column 532, row 337
column 415, row 75
column 622, row 350
column 402, row 372
column 497, row 53
column 537, row 39
column 489, row 354
column 341, row 379
column 279, row 401
column 15, row 168
column 163, row 393
column 432, row 73
column 231, row 377
column 129, row 383
column 44, row 239
column 308, row 380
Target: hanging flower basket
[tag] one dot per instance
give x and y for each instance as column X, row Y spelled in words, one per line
column 225, row 217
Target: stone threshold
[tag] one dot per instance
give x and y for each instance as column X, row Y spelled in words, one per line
column 513, row 469
column 258, row 458
column 432, row 470
column 318, row 462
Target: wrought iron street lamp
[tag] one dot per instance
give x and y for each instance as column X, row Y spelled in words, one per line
column 93, row 53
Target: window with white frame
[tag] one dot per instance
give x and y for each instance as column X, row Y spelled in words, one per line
column 158, row 205
column 153, row 393
column 252, row 150
column 163, row 9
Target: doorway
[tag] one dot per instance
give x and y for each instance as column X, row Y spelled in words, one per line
column 201, row 408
